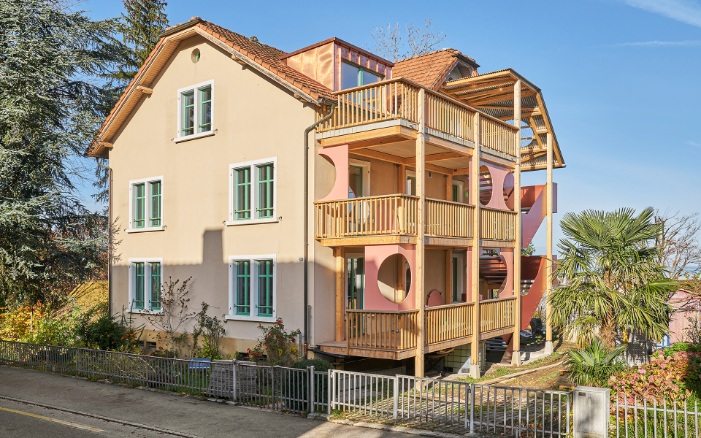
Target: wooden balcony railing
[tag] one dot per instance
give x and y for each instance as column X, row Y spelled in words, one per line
column 399, row 99
column 367, row 216
column 497, row 314
column 445, row 323
column 392, row 99
column 449, row 116
column 396, row 330
column 396, row 215
column 385, row 330
column 497, row 224
column 497, row 135
column 449, row 219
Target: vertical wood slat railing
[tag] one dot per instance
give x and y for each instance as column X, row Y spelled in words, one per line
column 383, row 330
column 372, row 215
column 398, row 99
column 497, row 135
column 448, row 322
column 385, row 100
column 449, row 219
column 449, row 116
column 497, row 314
column 396, row 330
column 497, row 224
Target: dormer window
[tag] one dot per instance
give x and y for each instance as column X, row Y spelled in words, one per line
column 353, row 75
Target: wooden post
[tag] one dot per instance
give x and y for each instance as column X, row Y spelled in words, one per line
column 448, row 276
column 549, row 247
column 516, row 356
column 420, row 242
column 340, row 292
column 474, row 262
column 401, row 179
column 449, row 187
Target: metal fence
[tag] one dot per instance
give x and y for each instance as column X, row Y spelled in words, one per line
column 635, row 418
column 457, row 406
column 445, row 405
column 515, row 411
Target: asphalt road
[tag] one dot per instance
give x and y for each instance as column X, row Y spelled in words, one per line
column 36, row 405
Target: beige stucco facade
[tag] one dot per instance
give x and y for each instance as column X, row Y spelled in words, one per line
column 253, row 119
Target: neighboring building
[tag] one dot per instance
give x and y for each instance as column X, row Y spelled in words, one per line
column 210, row 148
column 685, row 320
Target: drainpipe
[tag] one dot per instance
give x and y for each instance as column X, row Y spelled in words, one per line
column 306, row 215
column 109, row 241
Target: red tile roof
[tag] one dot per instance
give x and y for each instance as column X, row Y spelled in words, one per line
column 431, row 69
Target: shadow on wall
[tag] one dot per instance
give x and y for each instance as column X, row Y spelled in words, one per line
column 211, row 283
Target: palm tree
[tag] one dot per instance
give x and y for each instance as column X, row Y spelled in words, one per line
column 611, row 279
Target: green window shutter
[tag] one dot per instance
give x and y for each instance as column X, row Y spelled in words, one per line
column 205, row 110
column 155, row 213
column 242, row 276
column 138, row 273
column 264, row 273
column 264, row 207
column 155, row 284
column 187, row 113
column 138, row 192
column 456, row 193
column 242, row 196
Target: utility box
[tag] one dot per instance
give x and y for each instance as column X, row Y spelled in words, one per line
column 591, row 408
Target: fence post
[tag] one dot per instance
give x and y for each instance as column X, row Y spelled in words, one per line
column 472, row 408
column 234, row 386
column 395, row 396
column 332, row 382
column 310, row 395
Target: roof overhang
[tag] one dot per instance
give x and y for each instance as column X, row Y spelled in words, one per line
column 144, row 80
column 493, row 94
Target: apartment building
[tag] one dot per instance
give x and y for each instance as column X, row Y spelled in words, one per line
column 376, row 206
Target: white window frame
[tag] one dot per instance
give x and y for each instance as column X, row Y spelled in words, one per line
column 147, row 285
column 253, row 196
column 253, row 300
column 194, row 88
column 147, row 206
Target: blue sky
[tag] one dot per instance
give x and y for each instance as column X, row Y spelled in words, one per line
column 620, row 77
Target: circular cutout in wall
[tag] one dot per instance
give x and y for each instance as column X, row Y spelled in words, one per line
column 485, row 185
column 394, row 278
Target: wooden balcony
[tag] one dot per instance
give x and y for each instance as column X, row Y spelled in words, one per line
column 392, row 334
column 373, row 106
column 393, row 219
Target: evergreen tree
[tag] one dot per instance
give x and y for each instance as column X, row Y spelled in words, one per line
column 143, row 21
column 50, row 60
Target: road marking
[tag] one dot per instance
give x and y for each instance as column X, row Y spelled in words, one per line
column 55, row 420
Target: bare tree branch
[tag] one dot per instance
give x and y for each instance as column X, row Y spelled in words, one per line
column 394, row 44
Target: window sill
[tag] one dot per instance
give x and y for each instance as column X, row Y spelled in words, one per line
column 147, row 312
column 194, row 136
column 270, row 319
column 145, row 230
column 251, row 222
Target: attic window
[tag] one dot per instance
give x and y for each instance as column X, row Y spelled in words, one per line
column 354, row 76
column 195, row 55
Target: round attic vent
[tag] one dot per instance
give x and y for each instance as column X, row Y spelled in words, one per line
column 195, row 56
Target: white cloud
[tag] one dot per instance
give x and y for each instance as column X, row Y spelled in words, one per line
column 686, row 11
column 694, row 144
column 656, row 43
